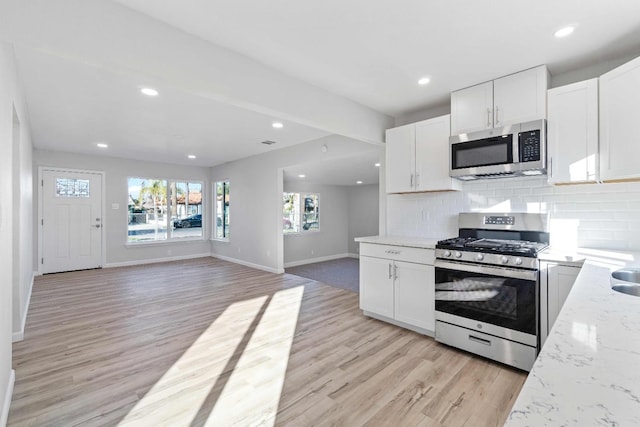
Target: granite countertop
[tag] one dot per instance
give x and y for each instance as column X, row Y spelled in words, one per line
column 587, row 372
column 412, row 242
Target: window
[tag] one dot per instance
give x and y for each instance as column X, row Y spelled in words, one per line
column 221, row 227
column 69, row 187
column 162, row 209
column 186, row 209
column 300, row 212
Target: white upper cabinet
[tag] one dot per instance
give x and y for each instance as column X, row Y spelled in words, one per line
column 433, row 156
column 619, row 119
column 417, row 157
column 572, row 132
column 516, row 98
column 400, row 159
column 472, row 109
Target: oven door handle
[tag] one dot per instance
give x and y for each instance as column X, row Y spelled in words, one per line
column 514, row 273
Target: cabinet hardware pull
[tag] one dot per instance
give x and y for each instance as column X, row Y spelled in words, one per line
column 551, row 167
column 497, row 109
column 395, row 272
column 479, row 340
column 389, row 271
column 417, row 180
column 488, row 117
column 411, row 180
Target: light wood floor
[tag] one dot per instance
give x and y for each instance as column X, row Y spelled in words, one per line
column 207, row 342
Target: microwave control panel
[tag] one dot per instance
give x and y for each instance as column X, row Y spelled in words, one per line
column 529, row 145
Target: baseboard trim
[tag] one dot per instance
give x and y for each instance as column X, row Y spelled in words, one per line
column 352, row 255
column 19, row 334
column 319, row 259
column 249, row 264
column 154, row 260
column 404, row 325
column 4, row 411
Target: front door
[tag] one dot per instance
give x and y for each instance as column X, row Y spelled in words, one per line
column 71, row 221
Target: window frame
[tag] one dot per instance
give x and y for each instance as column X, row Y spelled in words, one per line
column 302, row 196
column 226, row 209
column 168, row 220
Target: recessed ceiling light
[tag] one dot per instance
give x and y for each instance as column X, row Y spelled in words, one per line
column 102, row 145
column 301, row 175
column 149, row 91
column 423, row 81
column 277, row 125
column 563, row 32
column 358, row 182
column 376, row 165
column 191, row 156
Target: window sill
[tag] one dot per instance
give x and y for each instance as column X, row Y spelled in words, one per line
column 302, row 233
column 216, row 239
column 165, row 242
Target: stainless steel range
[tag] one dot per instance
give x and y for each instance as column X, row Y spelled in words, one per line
column 487, row 286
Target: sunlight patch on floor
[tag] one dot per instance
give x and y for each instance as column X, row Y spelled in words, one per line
column 252, row 394
column 189, row 381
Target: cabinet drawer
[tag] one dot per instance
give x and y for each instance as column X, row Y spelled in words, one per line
column 398, row 253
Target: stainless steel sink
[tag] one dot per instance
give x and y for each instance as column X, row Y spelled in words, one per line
column 626, row 281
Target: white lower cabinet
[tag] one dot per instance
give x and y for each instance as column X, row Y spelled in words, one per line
column 556, row 282
column 397, row 284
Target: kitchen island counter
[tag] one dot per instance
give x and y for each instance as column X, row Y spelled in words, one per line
column 586, row 373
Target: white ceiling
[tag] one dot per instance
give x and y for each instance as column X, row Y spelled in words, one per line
column 374, row 52
column 88, row 104
column 81, row 65
column 338, row 171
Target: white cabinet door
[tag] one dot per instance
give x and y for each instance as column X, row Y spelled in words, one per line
column 619, row 117
column 415, row 294
column 557, row 281
column 433, row 156
column 520, row 97
column 472, row 109
column 572, row 132
column 376, row 285
column 400, row 159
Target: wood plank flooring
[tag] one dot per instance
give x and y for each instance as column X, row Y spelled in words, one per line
column 209, row 343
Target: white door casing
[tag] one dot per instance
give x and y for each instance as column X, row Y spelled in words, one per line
column 71, row 220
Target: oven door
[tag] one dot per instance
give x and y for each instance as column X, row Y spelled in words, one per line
column 505, row 297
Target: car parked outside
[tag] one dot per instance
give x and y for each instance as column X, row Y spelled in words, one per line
column 311, row 225
column 190, row 221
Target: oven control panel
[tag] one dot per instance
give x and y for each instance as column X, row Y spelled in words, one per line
column 488, row 258
column 499, row 220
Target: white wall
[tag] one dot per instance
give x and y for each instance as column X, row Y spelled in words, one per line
column 331, row 239
column 23, row 268
column 363, row 213
column 116, row 191
column 14, row 176
column 603, row 216
column 256, row 187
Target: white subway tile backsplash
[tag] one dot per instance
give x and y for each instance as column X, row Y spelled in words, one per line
column 608, row 214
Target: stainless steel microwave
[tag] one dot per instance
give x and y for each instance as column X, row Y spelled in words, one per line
column 513, row 150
